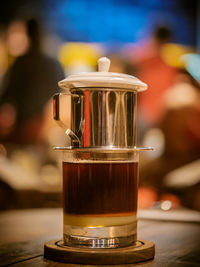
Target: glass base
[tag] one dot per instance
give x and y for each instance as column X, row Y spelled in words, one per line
column 100, row 237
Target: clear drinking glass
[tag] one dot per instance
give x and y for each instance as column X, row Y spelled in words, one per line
column 100, row 197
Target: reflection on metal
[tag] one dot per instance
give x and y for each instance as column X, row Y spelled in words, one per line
column 72, row 135
column 110, row 120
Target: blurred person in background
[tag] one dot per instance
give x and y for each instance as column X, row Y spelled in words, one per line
column 181, row 129
column 3, row 60
column 26, row 89
column 152, row 69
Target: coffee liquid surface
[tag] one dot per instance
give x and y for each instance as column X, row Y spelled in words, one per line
column 100, row 189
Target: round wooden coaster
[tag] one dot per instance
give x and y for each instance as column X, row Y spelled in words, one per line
column 141, row 251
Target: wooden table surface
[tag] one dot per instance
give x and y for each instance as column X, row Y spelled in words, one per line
column 23, row 233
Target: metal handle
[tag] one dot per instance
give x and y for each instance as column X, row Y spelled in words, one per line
column 56, row 115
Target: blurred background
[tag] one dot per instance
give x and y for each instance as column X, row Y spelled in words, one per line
column 41, row 42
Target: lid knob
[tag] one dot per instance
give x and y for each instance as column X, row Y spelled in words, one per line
column 103, row 64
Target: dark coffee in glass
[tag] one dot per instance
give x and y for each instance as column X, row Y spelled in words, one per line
column 100, row 189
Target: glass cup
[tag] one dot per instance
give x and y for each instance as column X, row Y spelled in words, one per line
column 100, row 197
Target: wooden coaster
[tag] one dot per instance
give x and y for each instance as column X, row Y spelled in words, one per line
column 141, row 251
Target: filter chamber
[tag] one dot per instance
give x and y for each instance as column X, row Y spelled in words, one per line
column 103, row 117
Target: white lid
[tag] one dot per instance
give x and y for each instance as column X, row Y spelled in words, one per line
column 103, row 78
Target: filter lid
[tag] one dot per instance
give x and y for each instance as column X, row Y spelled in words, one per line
column 103, row 78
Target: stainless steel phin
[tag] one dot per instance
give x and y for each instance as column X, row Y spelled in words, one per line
column 103, row 108
column 100, row 167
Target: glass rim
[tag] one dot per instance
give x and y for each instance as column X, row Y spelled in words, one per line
column 103, row 149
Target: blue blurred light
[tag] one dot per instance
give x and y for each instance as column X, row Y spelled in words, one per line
column 118, row 20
